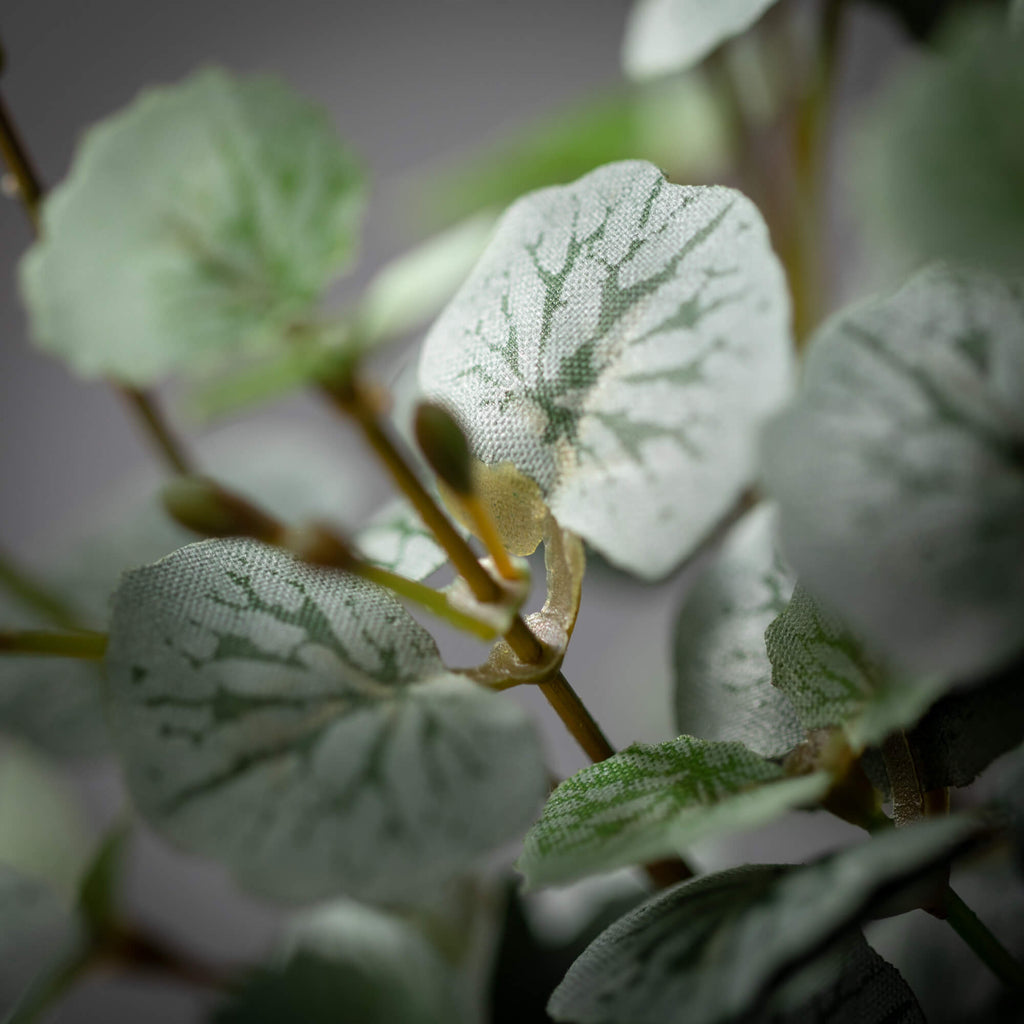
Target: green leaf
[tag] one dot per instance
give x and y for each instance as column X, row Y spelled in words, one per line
column 621, row 341
column 42, row 834
column 396, row 539
column 36, row 925
column 965, row 731
column 717, row 948
column 663, row 36
column 201, row 223
column 298, row 725
column 951, row 189
column 294, row 472
column 99, row 891
column 832, row 681
column 899, row 472
column 650, row 801
column 723, row 677
column 351, row 960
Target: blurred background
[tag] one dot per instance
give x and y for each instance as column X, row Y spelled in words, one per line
column 421, row 91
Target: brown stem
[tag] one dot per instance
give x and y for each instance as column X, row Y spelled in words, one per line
column 15, row 155
column 147, row 411
column 80, row 644
column 132, row 949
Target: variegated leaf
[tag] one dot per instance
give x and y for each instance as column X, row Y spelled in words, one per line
column 832, row 681
column 723, row 676
column 718, row 948
column 202, row 222
column 620, row 342
column 899, row 471
column 54, row 702
column 650, row 801
column 663, row 36
column 396, row 539
column 298, row 725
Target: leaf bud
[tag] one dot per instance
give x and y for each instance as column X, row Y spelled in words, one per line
column 204, row 507
column 444, row 445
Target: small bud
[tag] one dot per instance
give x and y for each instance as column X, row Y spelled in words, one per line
column 318, row 545
column 206, row 508
column 444, row 445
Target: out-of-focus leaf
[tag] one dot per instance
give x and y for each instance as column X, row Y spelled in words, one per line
column 832, row 681
column 679, row 124
column 663, row 36
column 899, row 471
column 950, row 187
column 649, row 802
column 723, row 676
column 396, row 539
column 297, row 724
column 717, row 948
column 199, row 224
column 620, row 342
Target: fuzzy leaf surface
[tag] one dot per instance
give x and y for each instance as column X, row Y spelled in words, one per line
column 900, row 476
column 652, row 800
column 198, row 224
column 663, row 36
column 723, row 676
column 715, row 949
column 299, row 725
column 832, row 681
column 620, row 342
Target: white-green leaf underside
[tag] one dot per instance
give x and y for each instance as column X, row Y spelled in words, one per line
column 716, row 949
column 199, row 223
column 621, row 341
column 651, row 801
column 298, row 725
column 899, row 471
column 663, row 36
column 722, row 674
column 396, row 539
column 832, row 681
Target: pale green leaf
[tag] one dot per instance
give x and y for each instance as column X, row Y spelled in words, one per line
column 899, row 474
column 42, row 834
column 396, row 539
column 832, row 681
column 651, row 801
column 723, row 677
column 36, row 926
column 621, row 341
column 298, row 725
column 368, row 966
column 715, row 949
column 663, row 36
column 951, row 189
column 201, row 223
column 295, row 472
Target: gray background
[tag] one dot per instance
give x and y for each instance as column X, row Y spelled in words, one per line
column 410, row 83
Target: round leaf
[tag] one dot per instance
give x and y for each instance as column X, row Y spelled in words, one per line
column 899, row 471
column 663, row 36
column 298, row 725
column 200, row 223
column 620, row 341
column 723, row 677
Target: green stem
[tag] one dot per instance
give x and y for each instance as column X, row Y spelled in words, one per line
column 86, row 645
column 985, row 945
column 426, row 597
column 51, row 985
column 163, row 439
column 34, row 595
column 15, row 155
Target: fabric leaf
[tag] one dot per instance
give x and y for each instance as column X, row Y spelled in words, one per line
column 715, row 949
column 899, row 475
column 722, row 674
column 620, row 342
column 650, row 801
column 298, row 725
column 202, row 222
column 833, row 682
column 396, row 539
column 663, row 36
